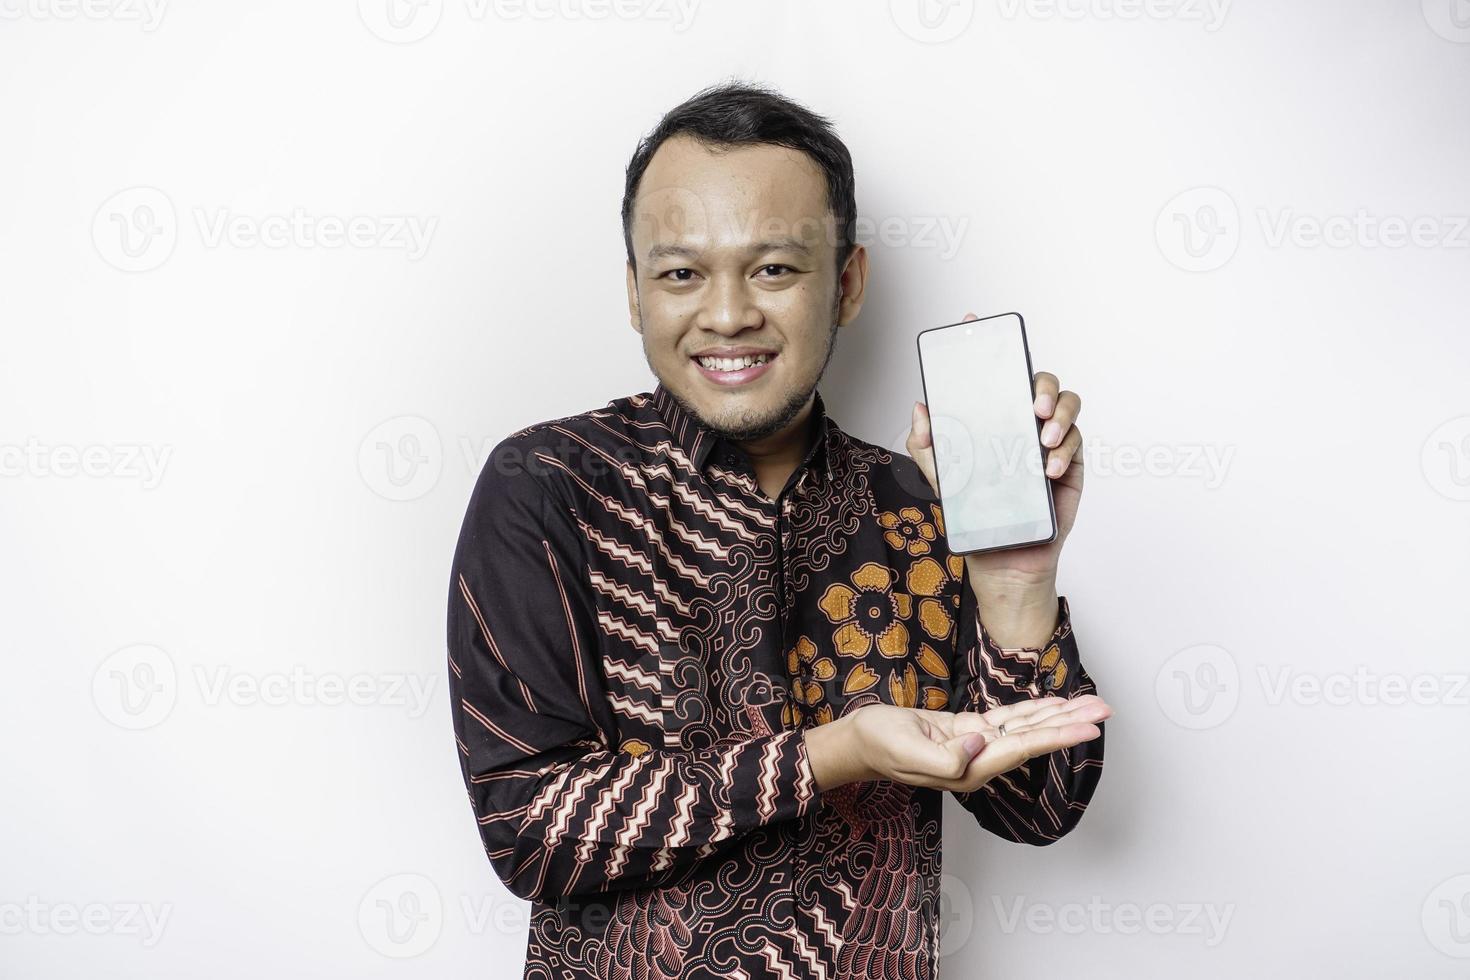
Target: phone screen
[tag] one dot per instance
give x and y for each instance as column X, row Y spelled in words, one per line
column 987, row 448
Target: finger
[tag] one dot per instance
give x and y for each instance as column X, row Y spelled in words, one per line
column 1046, row 739
column 921, row 444
column 970, row 316
column 1005, row 754
column 1087, row 709
column 1019, row 713
column 1069, row 404
column 1029, row 714
column 1011, row 712
column 923, row 762
column 1046, row 385
column 966, row 748
column 919, row 425
column 1087, row 702
column 1058, row 459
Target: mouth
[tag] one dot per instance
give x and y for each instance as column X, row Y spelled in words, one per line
column 734, row 370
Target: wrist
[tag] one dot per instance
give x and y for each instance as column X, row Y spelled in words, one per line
column 1017, row 611
column 836, row 753
column 1009, row 584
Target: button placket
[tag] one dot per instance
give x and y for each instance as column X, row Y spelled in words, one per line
column 783, row 536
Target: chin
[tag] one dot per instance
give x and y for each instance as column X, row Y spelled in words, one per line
column 745, row 416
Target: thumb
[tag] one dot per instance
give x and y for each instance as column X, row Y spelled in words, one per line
column 965, row 746
column 921, row 444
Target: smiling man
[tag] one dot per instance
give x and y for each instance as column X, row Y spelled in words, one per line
column 712, row 665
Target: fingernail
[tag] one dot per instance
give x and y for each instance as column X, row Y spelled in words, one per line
column 1054, row 466
column 1051, row 433
column 1045, row 403
column 974, row 742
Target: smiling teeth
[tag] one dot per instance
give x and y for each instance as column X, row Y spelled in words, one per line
column 733, row 363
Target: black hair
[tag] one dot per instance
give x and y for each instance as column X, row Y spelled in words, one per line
column 738, row 113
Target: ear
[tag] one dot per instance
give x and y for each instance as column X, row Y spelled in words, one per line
column 852, row 285
column 635, row 316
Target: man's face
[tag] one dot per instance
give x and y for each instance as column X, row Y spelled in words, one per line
column 735, row 249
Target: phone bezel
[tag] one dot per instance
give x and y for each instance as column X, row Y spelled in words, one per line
column 1051, row 506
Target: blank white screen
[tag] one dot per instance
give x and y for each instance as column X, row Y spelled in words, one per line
column 978, row 390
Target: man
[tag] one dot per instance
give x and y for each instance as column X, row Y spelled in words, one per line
column 712, row 665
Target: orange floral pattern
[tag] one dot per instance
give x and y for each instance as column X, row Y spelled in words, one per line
column 907, row 530
column 869, row 613
column 931, row 581
column 808, row 671
column 1053, row 668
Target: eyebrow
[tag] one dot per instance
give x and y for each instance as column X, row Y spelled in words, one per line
column 669, row 250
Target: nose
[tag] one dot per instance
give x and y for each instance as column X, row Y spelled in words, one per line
column 727, row 306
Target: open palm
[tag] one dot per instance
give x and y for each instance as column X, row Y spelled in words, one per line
column 925, row 747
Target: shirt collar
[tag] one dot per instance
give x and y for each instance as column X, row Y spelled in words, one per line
column 698, row 440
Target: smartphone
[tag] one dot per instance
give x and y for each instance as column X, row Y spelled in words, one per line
column 987, row 439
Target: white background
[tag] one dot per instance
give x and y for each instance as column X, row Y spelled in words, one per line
column 208, row 711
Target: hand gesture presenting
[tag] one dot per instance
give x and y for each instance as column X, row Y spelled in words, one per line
column 958, row 751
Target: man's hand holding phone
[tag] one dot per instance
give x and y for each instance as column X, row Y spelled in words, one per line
column 1016, row 587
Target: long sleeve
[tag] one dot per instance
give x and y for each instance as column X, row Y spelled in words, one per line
column 1043, row 799
column 563, row 808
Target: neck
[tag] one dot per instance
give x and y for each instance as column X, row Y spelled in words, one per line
column 777, row 456
column 791, row 442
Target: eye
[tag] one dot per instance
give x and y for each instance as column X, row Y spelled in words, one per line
column 778, row 266
column 675, row 273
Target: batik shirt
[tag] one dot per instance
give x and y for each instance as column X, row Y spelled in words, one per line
column 639, row 638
